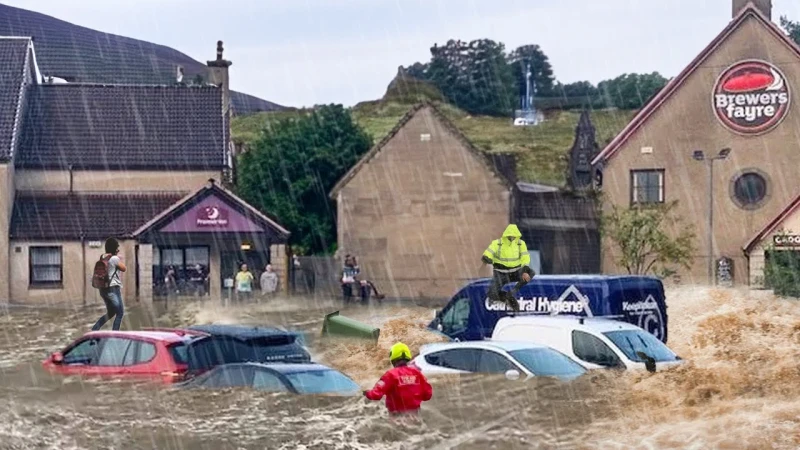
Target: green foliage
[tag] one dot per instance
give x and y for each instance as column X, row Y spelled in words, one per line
column 792, row 28
column 782, row 271
column 291, row 167
column 642, row 236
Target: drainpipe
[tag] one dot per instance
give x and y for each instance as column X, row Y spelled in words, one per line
column 70, row 179
column 83, row 263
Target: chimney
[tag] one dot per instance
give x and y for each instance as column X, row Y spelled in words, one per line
column 218, row 76
column 179, row 76
column 765, row 6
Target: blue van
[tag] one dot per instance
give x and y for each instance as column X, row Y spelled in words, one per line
column 638, row 300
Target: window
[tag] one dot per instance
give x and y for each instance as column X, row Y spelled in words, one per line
column 179, row 353
column 631, row 342
column 493, row 362
column 184, row 260
column 113, row 352
column 265, row 381
column 321, row 381
column 593, row 350
column 459, row 359
column 85, row 352
column 145, row 353
column 647, row 186
column 546, row 362
column 230, row 377
column 45, row 266
column 749, row 189
column 456, row 318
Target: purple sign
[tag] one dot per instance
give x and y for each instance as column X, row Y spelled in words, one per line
column 211, row 215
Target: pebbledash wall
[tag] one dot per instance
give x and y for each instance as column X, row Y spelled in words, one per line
column 740, row 93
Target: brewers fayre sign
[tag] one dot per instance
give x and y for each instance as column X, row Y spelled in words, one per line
column 212, row 216
column 751, row 97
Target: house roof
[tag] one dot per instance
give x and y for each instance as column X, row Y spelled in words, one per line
column 772, row 225
column 672, row 87
column 84, row 55
column 212, row 187
column 64, row 215
column 491, row 164
column 14, row 53
column 114, row 127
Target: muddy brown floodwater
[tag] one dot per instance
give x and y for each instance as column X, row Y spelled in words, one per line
column 740, row 390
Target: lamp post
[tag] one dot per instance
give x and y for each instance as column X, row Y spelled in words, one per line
column 698, row 155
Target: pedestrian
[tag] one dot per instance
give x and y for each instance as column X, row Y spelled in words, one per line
column 244, row 283
column 510, row 263
column 107, row 280
column 404, row 386
column 269, row 282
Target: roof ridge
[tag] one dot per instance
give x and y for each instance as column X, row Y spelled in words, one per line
column 449, row 127
column 655, row 102
column 781, row 217
column 127, row 85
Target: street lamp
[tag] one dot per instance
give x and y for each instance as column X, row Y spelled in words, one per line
column 698, row 155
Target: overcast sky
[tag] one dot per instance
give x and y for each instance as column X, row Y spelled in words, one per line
column 306, row 52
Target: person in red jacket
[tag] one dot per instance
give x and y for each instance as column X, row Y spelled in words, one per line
column 404, row 386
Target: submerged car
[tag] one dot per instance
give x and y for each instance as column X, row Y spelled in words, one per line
column 511, row 358
column 226, row 344
column 594, row 342
column 309, row 378
column 154, row 354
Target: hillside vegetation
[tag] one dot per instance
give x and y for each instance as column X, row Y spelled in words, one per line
column 541, row 150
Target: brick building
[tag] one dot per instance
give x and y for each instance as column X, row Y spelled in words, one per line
column 81, row 162
column 734, row 102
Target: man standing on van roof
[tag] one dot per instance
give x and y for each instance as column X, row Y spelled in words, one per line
column 511, row 263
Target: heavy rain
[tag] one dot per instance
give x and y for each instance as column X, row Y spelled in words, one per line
column 481, row 254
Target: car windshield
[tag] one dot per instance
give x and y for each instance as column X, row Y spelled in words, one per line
column 633, row 341
column 546, row 362
column 322, row 381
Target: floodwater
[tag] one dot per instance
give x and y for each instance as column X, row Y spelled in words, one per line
column 741, row 389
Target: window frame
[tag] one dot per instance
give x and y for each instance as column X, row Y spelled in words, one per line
column 739, row 175
column 452, row 311
column 159, row 268
column 33, row 284
column 662, row 187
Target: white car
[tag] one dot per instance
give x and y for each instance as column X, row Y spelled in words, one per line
column 511, row 358
column 592, row 341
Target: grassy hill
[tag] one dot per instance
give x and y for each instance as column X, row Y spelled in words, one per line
column 541, row 149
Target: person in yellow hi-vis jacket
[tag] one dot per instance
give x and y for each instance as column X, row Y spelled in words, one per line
column 510, row 263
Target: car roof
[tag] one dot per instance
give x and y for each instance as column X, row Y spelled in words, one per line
column 596, row 324
column 284, row 367
column 164, row 336
column 495, row 345
column 241, row 331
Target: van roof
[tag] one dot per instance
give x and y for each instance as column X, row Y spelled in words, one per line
column 596, row 324
column 501, row 345
column 583, row 279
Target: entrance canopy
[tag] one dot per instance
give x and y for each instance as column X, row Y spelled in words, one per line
column 212, row 212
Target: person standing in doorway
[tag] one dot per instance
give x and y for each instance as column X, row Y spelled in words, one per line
column 244, row 283
column 269, row 282
column 110, row 285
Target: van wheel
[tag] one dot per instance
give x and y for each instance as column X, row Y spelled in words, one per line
column 456, row 340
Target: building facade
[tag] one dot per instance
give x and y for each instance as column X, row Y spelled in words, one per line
column 145, row 164
column 736, row 102
column 421, row 207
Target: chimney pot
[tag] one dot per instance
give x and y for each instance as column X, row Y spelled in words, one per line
column 764, row 6
column 219, row 50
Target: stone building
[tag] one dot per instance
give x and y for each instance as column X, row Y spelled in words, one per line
column 421, row 206
column 81, row 162
column 732, row 108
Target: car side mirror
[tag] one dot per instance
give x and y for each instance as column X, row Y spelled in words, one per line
column 57, row 358
column 512, row 374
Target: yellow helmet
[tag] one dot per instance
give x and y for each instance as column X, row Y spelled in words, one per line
column 398, row 351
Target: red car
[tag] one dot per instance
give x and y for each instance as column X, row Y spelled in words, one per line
column 157, row 354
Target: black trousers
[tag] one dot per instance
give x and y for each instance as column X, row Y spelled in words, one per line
column 500, row 279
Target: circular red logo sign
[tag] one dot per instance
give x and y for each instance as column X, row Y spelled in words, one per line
column 751, row 97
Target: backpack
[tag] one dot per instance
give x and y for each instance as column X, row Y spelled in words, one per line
column 100, row 278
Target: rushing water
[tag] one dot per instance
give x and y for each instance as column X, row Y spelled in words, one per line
column 740, row 390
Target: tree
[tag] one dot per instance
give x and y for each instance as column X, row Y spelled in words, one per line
column 792, row 28
column 292, row 166
column 782, row 271
column 541, row 70
column 641, row 235
column 631, row 90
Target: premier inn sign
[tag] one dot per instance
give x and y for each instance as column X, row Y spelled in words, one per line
column 751, row 97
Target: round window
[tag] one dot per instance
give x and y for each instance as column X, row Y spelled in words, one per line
column 750, row 189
